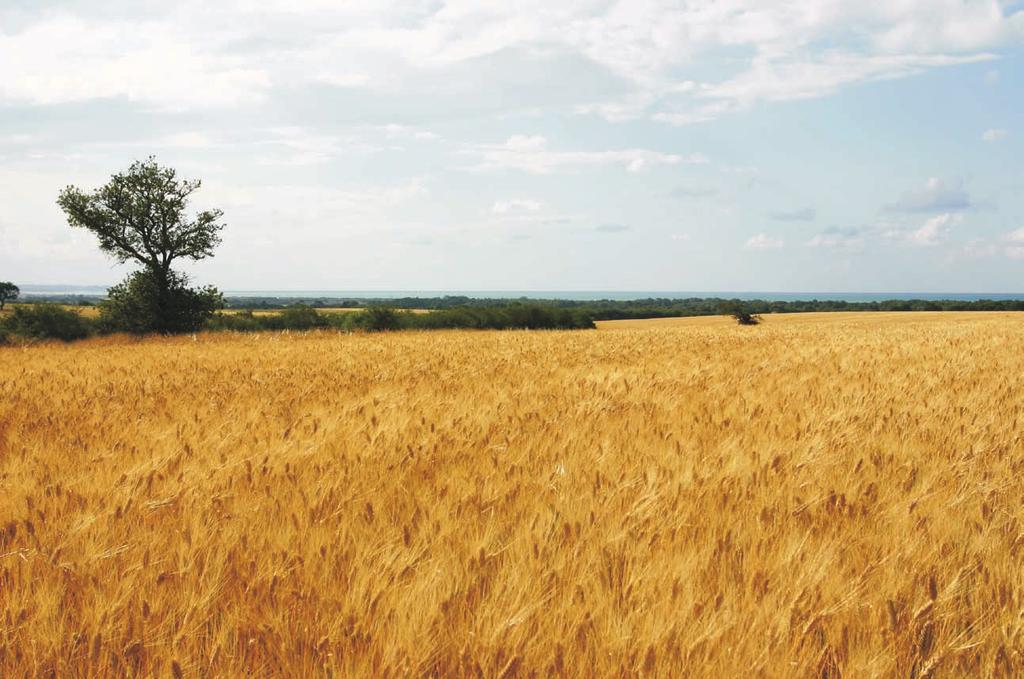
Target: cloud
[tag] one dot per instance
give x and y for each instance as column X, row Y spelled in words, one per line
column 993, row 135
column 763, row 242
column 838, row 239
column 196, row 55
column 768, row 79
column 531, row 154
column 934, row 230
column 65, row 58
column 1014, row 248
column 516, row 205
column 937, row 195
column 806, row 214
column 611, row 228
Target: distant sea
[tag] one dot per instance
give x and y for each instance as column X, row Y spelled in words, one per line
column 584, row 295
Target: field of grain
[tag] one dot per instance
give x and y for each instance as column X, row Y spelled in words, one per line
column 826, row 497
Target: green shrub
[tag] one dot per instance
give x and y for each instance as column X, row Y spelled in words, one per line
column 242, row 321
column 139, row 306
column 379, row 319
column 46, row 321
column 296, row 317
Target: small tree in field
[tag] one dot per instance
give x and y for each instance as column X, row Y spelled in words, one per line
column 8, row 293
column 140, row 215
column 736, row 309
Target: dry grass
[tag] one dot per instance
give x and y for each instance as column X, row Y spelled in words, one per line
column 832, row 498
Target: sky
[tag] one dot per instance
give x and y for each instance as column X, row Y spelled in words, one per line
column 754, row 145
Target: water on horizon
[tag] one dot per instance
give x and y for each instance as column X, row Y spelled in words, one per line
column 582, row 295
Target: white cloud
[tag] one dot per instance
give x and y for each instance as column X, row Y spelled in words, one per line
column 993, row 135
column 502, row 207
column 937, row 195
column 838, row 239
column 769, row 79
column 764, row 242
column 64, row 58
column 531, row 154
column 934, row 230
column 1015, row 244
column 195, row 54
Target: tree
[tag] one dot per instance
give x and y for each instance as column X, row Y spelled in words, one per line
column 739, row 311
column 8, row 292
column 140, row 215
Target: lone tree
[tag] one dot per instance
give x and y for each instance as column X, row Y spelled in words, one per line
column 739, row 312
column 8, row 293
column 140, row 216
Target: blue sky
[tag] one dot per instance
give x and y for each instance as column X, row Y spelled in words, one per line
column 821, row 145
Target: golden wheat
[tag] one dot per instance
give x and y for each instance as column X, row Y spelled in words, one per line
column 830, row 497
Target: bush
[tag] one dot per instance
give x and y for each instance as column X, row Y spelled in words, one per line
column 138, row 305
column 296, row 317
column 739, row 311
column 378, row 319
column 746, row 318
column 242, row 321
column 46, row 321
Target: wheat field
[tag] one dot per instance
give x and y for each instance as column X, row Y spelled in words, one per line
column 836, row 496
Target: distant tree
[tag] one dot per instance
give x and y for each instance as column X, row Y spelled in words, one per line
column 140, row 215
column 746, row 318
column 738, row 311
column 8, row 293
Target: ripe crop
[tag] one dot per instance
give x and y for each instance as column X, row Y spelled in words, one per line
column 830, row 496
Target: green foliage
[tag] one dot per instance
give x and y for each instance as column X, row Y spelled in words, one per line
column 46, row 321
column 739, row 311
column 297, row 317
column 142, row 304
column 379, row 319
column 140, row 215
column 8, row 293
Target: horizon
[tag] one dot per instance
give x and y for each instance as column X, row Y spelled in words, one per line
column 29, row 291
column 580, row 146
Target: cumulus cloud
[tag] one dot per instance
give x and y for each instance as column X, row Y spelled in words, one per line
column 934, row 230
column 993, row 134
column 764, row 242
column 531, row 154
column 937, row 195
